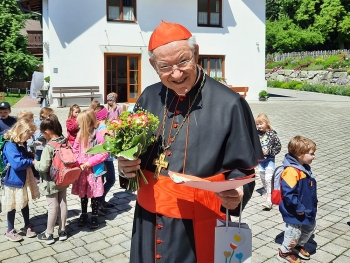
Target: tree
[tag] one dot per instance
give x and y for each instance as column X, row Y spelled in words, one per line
column 16, row 63
column 305, row 24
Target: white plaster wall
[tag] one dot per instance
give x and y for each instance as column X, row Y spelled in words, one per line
column 79, row 35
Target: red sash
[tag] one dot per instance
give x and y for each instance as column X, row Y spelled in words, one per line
column 165, row 197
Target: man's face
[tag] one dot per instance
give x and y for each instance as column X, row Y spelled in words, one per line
column 180, row 78
column 4, row 113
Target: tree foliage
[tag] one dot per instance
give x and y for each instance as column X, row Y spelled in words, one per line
column 16, row 62
column 296, row 25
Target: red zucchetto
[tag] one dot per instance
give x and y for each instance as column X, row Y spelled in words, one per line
column 167, row 32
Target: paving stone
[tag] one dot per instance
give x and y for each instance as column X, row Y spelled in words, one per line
column 118, row 258
column 65, row 256
column 96, row 246
column 44, row 252
column 12, row 252
column 32, row 246
column 333, row 249
column 21, row 258
column 96, row 256
column 46, row 260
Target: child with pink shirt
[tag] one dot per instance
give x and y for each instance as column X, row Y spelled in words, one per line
column 71, row 123
column 87, row 186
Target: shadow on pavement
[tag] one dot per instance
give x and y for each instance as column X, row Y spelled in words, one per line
column 278, row 96
column 310, row 246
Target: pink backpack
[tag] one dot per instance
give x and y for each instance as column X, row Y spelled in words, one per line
column 64, row 169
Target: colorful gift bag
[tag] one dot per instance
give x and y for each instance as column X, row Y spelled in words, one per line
column 233, row 242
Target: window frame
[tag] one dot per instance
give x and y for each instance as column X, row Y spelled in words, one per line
column 128, row 84
column 208, row 57
column 121, row 12
column 208, row 13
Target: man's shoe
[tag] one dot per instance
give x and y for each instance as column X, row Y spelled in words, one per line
column 301, row 252
column 47, row 238
column 62, row 235
column 107, row 205
column 83, row 219
column 94, row 222
column 267, row 205
column 13, row 236
column 287, row 257
column 28, row 230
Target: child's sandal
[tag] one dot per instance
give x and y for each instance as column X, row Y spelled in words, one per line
column 82, row 219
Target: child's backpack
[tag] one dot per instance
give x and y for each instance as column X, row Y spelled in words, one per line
column 3, row 167
column 276, row 193
column 64, row 169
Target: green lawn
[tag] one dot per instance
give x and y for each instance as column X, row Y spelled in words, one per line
column 13, row 98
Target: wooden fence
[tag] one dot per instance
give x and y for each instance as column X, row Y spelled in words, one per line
column 300, row 55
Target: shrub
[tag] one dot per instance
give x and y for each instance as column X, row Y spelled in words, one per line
column 304, row 86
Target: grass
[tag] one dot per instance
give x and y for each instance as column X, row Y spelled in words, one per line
column 13, row 98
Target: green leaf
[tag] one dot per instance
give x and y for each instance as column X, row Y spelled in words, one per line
column 131, row 153
column 97, row 149
column 108, row 146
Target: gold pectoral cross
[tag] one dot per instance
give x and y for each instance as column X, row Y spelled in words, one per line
column 160, row 163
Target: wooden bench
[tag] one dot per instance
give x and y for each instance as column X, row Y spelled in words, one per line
column 80, row 92
column 241, row 90
column 13, row 91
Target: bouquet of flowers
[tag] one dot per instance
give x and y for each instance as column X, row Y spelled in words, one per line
column 130, row 135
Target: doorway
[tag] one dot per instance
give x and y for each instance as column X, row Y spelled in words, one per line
column 122, row 76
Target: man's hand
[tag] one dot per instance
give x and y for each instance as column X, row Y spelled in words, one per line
column 231, row 198
column 127, row 167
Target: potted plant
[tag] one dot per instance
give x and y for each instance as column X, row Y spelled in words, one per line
column 263, row 95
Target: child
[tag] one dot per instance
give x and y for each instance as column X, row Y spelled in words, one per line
column 37, row 141
column 25, row 114
column 19, row 183
column 51, row 129
column 114, row 109
column 6, row 121
column 271, row 146
column 71, row 123
column 109, row 177
column 299, row 203
column 87, row 186
column 94, row 104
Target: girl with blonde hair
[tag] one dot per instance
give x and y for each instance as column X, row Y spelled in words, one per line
column 271, row 146
column 88, row 186
column 19, row 183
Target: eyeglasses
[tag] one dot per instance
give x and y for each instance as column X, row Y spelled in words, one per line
column 170, row 69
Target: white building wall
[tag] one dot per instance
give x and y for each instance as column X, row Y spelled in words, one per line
column 79, row 35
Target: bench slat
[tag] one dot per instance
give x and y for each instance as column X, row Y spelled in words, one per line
column 241, row 90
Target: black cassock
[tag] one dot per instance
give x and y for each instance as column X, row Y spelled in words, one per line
column 219, row 135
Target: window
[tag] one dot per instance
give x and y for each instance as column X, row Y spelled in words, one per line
column 121, row 10
column 213, row 65
column 209, row 12
column 122, row 73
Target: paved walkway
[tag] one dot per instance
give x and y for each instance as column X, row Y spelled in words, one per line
column 323, row 118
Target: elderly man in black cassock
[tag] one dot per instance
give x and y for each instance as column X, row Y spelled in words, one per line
column 205, row 130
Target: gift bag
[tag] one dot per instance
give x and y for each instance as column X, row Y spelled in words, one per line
column 233, row 242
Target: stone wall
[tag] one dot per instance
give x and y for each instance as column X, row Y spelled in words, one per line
column 313, row 77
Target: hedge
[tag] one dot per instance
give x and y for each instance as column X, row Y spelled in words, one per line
column 303, row 86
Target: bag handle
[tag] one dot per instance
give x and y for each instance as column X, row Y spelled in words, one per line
column 240, row 216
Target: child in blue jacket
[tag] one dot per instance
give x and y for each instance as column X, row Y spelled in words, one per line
column 19, row 183
column 299, row 203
